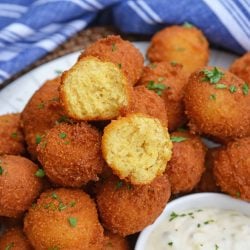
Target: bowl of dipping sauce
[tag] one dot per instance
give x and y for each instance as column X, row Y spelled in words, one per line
column 204, row 221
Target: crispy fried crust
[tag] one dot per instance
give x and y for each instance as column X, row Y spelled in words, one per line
column 137, row 148
column 241, row 67
column 41, row 113
column 126, row 209
column 12, row 141
column 217, row 112
column 187, row 163
column 115, row 242
column 120, row 52
column 71, row 154
column 187, row 46
column 174, row 80
column 14, row 239
column 232, row 168
column 147, row 102
column 64, row 219
column 94, row 89
column 18, row 185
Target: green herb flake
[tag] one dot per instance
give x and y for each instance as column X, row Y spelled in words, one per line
column 1, row 170
column 9, row 246
column 188, row 25
column 170, row 243
column 238, row 194
column 14, row 135
column 61, row 206
column 64, row 118
column 198, row 225
column 156, row 87
column 118, row 185
column 40, row 173
column 38, row 139
column 119, row 65
column 58, row 71
column 213, row 76
column 177, row 138
column 232, row 88
column 72, row 203
column 62, row 135
column 173, row 216
column 216, row 247
column 40, row 105
column 245, row 88
column 208, row 222
column 54, row 196
column 212, row 97
column 113, row 47
column 72, row 221
column 220, row 86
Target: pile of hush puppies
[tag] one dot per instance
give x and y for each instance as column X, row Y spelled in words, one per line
column 97, row 152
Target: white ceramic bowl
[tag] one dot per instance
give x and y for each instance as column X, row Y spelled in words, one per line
column 197, row 201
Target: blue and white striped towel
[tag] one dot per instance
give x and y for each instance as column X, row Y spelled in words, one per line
column 30, row 29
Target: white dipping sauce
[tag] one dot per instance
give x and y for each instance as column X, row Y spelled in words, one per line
column 204, row 229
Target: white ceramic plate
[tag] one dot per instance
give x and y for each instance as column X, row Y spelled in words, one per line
column 14, row 97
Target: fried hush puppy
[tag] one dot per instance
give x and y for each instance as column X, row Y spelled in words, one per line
column 115, row 242
column 207, row 182
column 12, row 141
column 232, row 168
column 19, row 185
column 41, row 113
column 182, row 44
column 126, row 209
column 149, row 103
column 120, row 52
column 71, row 154
column 137, row 148
column 241, row 67
column 218, row 104
column 14, row 239
column 94, row 89
column 187, row 163
column 64, row 219
column 168, row 81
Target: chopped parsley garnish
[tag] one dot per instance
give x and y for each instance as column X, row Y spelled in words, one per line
column 40, row 105
column 14, row 135
column 156, row 87
column 40, row 173
column 198, row 225
column 54, row 196
column 188, row 25
column 170, row 243
column 212, row 97
column 216, row 247
column 173, row 216
column 72, row 221
column 232, row 88
column 238, row 194
column 213, row 76
column 220, row 86
column 245, row 88
column 9, row 246
column 72, row 203
column 62, row 135
column 208, row 222
column 1, row 170
column 120, row 65
column 61, row 206
column 64, row 118
column 113, row 47
column 177, row 138
column 38, row 139
column 118, row 185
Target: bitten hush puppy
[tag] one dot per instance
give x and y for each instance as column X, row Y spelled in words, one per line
column 137, row 148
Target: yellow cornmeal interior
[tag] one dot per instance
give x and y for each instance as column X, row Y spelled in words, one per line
column 93, row 88
column 137, row 148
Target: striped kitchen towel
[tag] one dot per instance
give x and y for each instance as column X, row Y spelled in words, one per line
column 30, row 29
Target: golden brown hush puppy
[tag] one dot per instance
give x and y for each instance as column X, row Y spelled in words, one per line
column 232, row 168
column 241, row 67
column 115, row 242
column 147, row 102
column 218, row 104
column 207, row 182
column 126, row 209
column 185, row 45
column 168, row 81
column 187, row 163
column 120, row 52
column 19, row 185
column 14, row 239
column 12, row 141
column 137, row 148
column 64, row 219
column 94, row 89
column 71, row 154
column 41, row 113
